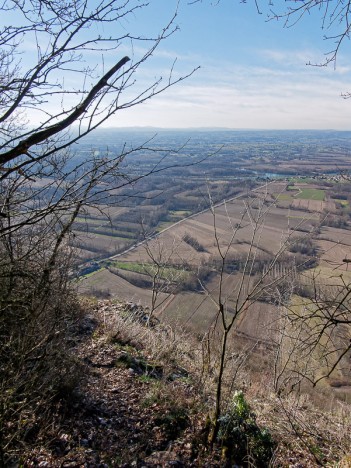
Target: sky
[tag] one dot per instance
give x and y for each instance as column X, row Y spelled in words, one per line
column 252, row 71
column 252, row 74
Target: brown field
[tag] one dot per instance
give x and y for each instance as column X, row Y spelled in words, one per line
column 337, row 235
column 310, row 205
column 333, row 254
column 117, row 288
column 84, row 255
column 253, row 224
column 260, row 323
column 99, row 243
column 197, row 312
column 272, row 228
column 326, row 276
column 335, row 247
column 237, row 223
column 104, row 212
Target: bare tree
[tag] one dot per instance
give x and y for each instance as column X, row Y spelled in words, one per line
column 165, row 276
column 52, row 94
column 334, row 18
column 317, row 332
column 42, row 97
column 55, row 84
column 242, row 283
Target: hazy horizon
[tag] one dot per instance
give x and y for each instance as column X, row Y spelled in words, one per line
column 214, row 128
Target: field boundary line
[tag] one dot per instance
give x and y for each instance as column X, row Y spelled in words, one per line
column 155, row 235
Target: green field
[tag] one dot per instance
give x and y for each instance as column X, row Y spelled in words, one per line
column 130, row 266
column 167, row 273
column 284, row 197
column 177, row 215
column 301, row 180
column 305, row 217
column 112, row 237
column 302, row 193
column 311, row 194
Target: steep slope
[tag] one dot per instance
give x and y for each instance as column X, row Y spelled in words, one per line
column 140, row 401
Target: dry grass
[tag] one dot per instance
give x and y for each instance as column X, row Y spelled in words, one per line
column 311, row 429
column 306, row 434
column 162, row 343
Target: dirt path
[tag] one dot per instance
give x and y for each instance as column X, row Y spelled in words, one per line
column 116, row 420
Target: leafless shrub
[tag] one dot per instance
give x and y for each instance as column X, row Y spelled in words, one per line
column 44, row 185
column 38, row 313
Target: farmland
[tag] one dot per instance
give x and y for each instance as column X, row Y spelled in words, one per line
column 183, row 166
column 266, row 229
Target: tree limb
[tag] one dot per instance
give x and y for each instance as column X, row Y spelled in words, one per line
column 39, row 137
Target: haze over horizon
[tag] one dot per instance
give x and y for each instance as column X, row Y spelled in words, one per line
column 214, row 128
column 253, row 72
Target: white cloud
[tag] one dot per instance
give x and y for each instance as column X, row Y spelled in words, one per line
column 250, row 97
column 261, row 95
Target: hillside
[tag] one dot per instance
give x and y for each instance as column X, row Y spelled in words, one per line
column 287, row 241
column 234, row 350
column 143, row 400
column 173, row 295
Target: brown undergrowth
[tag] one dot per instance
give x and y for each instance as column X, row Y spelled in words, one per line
column 144, row 402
